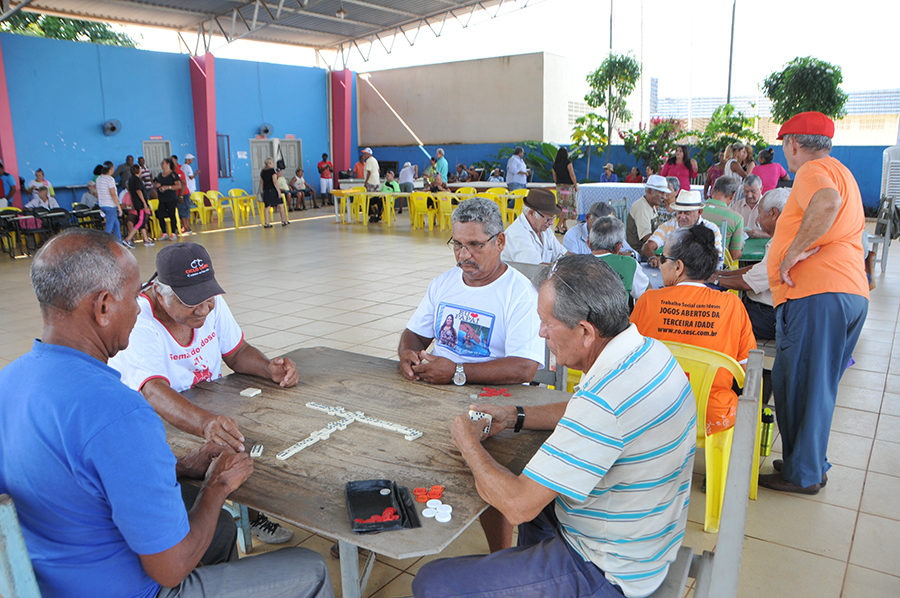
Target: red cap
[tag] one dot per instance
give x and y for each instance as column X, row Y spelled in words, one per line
column 808, row 123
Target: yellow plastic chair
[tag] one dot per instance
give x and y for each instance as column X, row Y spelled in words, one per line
column 343, row 197
column 495, row 196
column 519, row 205
column 445, row 211
column 388, row 214
column 419, row 212
column 218, row 204
column 464, row 193
column 200, row 209
column 245, row 203
column 701, row 366
column 263, row 208
column 359, row 205
column 156, row 225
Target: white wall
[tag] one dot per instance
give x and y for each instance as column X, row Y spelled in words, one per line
column 493, row 100
column 564, row 82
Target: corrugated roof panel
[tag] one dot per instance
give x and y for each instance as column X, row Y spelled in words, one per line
column 363, row 19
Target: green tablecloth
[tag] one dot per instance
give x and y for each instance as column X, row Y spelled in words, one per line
column 754, row 250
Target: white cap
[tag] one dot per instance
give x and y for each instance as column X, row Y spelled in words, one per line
column 405, row 164
column 189, row 156
column 368, row 150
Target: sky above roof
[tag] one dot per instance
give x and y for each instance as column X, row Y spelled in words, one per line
column 684, row 45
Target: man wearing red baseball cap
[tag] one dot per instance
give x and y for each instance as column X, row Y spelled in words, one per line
column 821, row 296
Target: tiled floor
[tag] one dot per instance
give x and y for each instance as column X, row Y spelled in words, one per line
column 316, row 283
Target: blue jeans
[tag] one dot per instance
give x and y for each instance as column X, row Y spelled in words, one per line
column 112, row 222
column 542, row 565
column 814, row 338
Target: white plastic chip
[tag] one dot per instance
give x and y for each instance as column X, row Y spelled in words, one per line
column 433, row 503
column 442, row 517
column 429, row 513
column 445, row 508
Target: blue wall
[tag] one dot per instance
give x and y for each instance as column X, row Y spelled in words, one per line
column 863, row 161
column 292, row 99
column 62, row 92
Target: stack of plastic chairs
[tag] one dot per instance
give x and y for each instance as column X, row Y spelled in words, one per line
column 157, row 226
column 218, row 203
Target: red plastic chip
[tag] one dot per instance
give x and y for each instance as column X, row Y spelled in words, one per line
column 434, row 494
column 422, row 498
column 419, row 491
column 437, row 488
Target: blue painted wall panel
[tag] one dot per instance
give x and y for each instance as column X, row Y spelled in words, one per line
column 62, row 92
column 292, row 99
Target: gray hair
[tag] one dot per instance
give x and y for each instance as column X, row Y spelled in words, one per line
column 518, row 151
column 76, row 264
column 727, row 185
column 606, row 233
column 599, row 210
column 774, row 198
column 479, row 209
column 270, row 161
column 586, row 289
column 811, row 143
column 439, row 152
column 752, row 180
column 164, row 291
column 674, row 183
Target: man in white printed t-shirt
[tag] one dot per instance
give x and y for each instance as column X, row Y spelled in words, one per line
column 183, row 333
column 481, row 315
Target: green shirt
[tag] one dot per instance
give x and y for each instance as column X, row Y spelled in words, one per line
column 623, row 266
column 717, row 212
column 392, row 187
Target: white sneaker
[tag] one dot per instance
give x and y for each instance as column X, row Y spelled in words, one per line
column 269, row 531
column 164, row 237
column 186, row 233
column 149, row 244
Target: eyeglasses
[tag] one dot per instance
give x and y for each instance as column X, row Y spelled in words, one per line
column 552, row 273
column 663, row 258
column 549, row 219
column 472, row 247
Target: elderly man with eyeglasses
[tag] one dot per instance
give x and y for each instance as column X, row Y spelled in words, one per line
column 183, row 333
column 602, row 506
column 529, row 239
column 481, row 315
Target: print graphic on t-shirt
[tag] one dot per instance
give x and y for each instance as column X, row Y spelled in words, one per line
column 463, row 330
column 689, row 319
column 202, row 373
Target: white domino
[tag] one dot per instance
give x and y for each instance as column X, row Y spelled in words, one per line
column 413, row 435
column 256, row 451
column 290, row 452
column 478, row 416
column 250, row 392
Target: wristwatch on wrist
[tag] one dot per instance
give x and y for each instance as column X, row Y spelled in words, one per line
column 520, row 419
column 459, row 378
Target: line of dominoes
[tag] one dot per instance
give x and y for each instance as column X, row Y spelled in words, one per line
column 347, row 418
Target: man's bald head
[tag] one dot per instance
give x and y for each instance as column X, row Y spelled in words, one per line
column 76, row 264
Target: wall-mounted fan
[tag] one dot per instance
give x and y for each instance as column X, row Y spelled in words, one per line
column 111, row 127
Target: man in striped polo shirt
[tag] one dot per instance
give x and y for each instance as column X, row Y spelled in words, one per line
column 602, row 506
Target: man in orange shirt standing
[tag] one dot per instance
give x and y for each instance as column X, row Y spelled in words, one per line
column 821, row 297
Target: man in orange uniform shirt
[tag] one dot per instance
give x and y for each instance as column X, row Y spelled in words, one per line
column 687, row 311
column 821, row 296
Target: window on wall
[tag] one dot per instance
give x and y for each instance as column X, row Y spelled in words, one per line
column 224, row 154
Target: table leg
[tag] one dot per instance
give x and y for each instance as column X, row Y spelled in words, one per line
column 349, row 570
column 351, row 584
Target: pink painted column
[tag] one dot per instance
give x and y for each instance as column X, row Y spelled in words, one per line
column 203, row 92
column 341, row 120
column 7, row 140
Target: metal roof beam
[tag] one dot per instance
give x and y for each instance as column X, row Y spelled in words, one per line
column 8, row 12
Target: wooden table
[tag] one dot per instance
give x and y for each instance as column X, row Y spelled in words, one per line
column 307, row 489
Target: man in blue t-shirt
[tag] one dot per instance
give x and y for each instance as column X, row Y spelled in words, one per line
column 7, row 187
column 86, row 462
